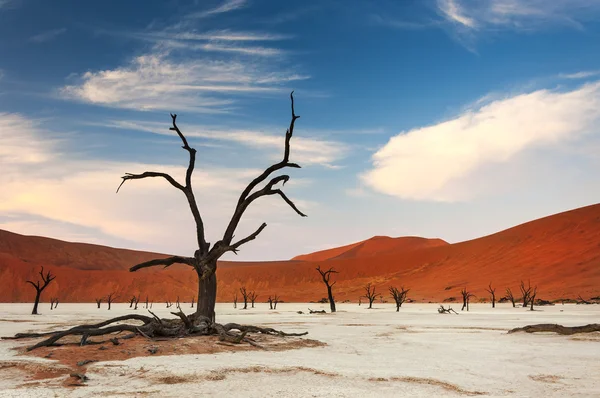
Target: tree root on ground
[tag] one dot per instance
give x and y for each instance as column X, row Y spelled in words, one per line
column 153, row 327
column 552, row 327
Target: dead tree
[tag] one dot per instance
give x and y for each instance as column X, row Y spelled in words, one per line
column 110, row 299
column 136, row 302
column 560, row 329
column 204, row 261
column 39, row 288
column 270, row 301
column 399, row 296
column 235, row 298
column 510, row 296
column 53, row 303
column 168, row 303
column 532, row 297
column 273, row 300
column 147, row 302
column 252, row 296
column 245, row 297
column 492, row 293
column 131, row 301
column 582, row 301
column 98, row 301
column 326, row 275
column 178, row 304
column 525, row 292
column 448, row 310
column 466, row 296
column 193, row 300
column 370, row 294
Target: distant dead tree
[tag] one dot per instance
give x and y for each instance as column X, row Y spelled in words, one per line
column 39, row 288
column 359, row 301
column 147, row 302
column 526, row 292
column 98, row 301
column 448, row 310
column 235, row 299
column 370, row 294
column 582, row 301
column 252, row 296
column 131, row 301
column 492, row 293
column 168, row 303
column 510, row 296
column 193, row 300
column 204, row 259
column 178, row 304
column 273, row 300
column 532, row 297
column 399, row 296
column 136, row 302
column 244, row 293
column 110, row 299
column 466, row 296
column 326, row 275
column 53, row 302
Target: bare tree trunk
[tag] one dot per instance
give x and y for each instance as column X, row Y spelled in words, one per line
column 207, row 296
column 331, row 300
column 36, row 302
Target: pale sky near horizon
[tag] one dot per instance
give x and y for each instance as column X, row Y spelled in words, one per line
column 448, row 119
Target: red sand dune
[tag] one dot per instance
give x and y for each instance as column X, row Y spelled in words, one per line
column 560, row 254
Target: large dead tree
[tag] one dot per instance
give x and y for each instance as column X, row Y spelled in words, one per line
column 39, row 288
column 326, row 275
column 204, row 261
column 110, row 299
column 466, row 296
column 510, row 296
column 525, row 292
column 399, row 296
column 245, row 297
column 370, row 294
column 492, row 293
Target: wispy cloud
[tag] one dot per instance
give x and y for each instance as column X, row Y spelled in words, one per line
column 453, row 11
column 47, row 35
column 306, row 150
column 444, row 162
column 155, row 82
column 580, row 75
column 227, row 6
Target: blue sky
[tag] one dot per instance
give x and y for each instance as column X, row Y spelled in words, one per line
column 442, row 118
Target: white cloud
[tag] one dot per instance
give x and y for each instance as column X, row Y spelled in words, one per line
column 305, row 151
column 452, row 11
column 580, row 75
column 155, row 82
column 432, row 163
column 226, row 6
column 47, row 35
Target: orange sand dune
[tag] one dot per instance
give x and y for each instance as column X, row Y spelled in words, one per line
column 560, row 254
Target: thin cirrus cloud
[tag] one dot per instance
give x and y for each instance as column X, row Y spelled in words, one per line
column 580, row 75
column 306, row 151
column 48, row 35
column 156, row 82
column 438, row 162
column 227, row 6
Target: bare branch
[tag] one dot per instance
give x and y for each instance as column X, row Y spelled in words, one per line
column 149, row 174
column 164, row 261
column 248, row 238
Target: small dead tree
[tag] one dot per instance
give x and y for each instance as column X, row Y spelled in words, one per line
column 98, row 302
column 525, row 292
column 252, row 296
column 448, row 310
column 492, row 293
column 193, row 300
column 244, row 293
column 399, row 296
column 136, row 302
column 510, row 296
column 370, row 294
column 235, row 299
column 466, row 296
column 532, row 297
column 178, row 304
column 111, row 299
column 270, row 301
column 39, row 288
column 147, row 302
column 168, row 303
column 326, row 275
column 53, row 303
column 273, row 300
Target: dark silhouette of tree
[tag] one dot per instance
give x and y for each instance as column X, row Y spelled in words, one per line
column 399, row 296
column 244, row 296
column 532, row 297
column 252, row 296
column 273, row 300
column 136, row 302
column 110, row 299
column 370, row 294
column 168, row 303
column 204, row 261
column 178, row 304
column 525, row 292
column 98, row 301
column 193, row 300
column 510, row 296
column 466, row 296
column 492, row 293
column 326, row 275
column 39, row 288
column 235, row 299
column 53, row 302
column 147, row 302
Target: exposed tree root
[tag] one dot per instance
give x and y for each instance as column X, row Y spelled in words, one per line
column 155, row 327
column 554, row 328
